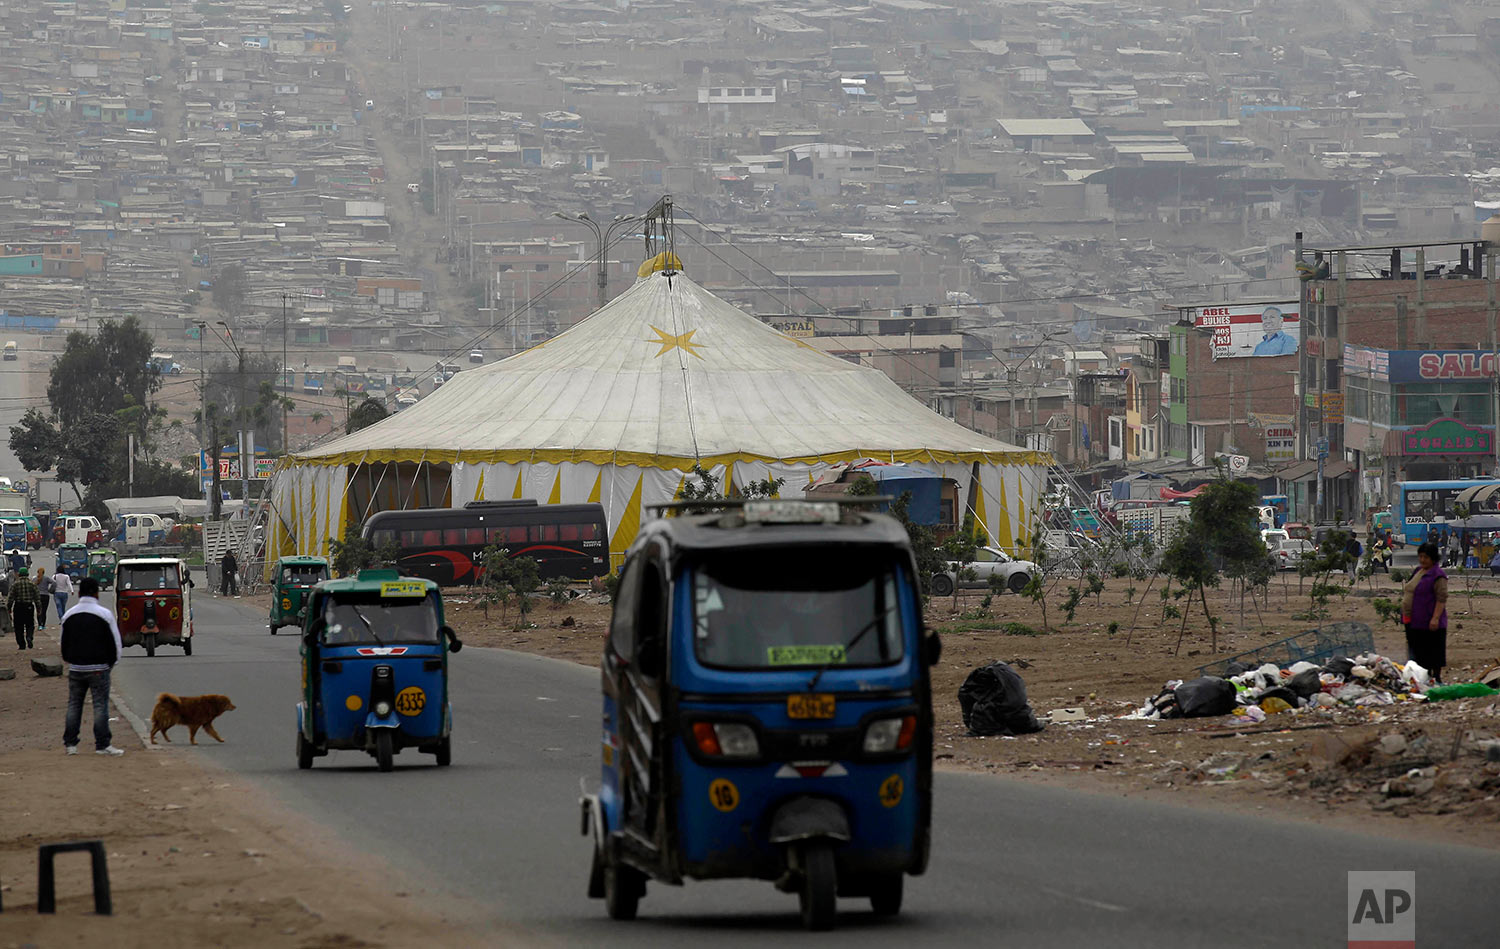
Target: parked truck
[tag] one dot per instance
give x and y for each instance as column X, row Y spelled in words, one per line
column 1158, row 522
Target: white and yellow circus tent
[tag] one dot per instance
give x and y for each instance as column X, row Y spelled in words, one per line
column 619, row 409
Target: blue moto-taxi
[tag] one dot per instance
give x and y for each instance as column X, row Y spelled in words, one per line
column 767, row 709
column 375, row 669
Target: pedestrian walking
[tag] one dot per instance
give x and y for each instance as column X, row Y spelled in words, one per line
column 90, row 647
column 6, row 626
column 17, row 560
column 62, row 588
column 229, row 584
column 44, row 591
column 21, row 602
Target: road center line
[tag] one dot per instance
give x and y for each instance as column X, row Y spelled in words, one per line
column 1096, row 904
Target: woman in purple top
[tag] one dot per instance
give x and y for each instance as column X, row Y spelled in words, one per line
column 1424, row 603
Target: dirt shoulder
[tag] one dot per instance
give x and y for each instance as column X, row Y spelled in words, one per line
column 197, row 856
column 1329, row 766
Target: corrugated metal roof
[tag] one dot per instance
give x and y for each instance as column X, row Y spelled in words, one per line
column 1022, row 128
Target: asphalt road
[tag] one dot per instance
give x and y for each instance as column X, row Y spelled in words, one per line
column 1013, row 864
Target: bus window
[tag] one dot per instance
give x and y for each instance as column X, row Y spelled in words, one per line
column 507, row 535
column 382, row 538
column 544, row 532
column 569, row 532
column 1419, row 505
column 421, row 538
column 474, row 536
column 588, row 531
column 453, row 536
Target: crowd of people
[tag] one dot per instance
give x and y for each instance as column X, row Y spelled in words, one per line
column 1469, row 549
column 27, row 598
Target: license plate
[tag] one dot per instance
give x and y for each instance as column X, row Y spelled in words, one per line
column 809, row 706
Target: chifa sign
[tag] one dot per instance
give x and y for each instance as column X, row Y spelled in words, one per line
column 1382, row 909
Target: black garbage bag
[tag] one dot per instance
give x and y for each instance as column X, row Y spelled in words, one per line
column 1339, row 666
column 1305, row 683
column 993, row 699
column 1278, row 692
column 1205, row 696
column 1237, row 669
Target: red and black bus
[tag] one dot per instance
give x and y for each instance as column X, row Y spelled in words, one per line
column 446, row 545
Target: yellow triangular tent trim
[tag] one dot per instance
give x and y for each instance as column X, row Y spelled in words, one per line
column 343, row 515
column 1021, row 506
column 980, row 517
column 598, row 484
column 516, row 494
column 556, row 496
column 1007, row 530
column 729, row 481
column 630, row 522
column 479, row 489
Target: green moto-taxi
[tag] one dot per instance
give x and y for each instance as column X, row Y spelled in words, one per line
column 292, row 580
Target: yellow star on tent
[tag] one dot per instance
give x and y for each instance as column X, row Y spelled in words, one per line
column 669, row 342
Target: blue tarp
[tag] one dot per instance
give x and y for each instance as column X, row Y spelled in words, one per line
column 14, row 321
column 926, row 488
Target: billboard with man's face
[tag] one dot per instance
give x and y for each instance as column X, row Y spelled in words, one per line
column 1251, row 329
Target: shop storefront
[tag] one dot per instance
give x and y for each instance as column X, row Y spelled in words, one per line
column 1418, row 415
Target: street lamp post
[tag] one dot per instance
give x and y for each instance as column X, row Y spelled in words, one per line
column 601, row 246
column 204, row 428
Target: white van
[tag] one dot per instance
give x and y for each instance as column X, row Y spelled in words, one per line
column 12, row 351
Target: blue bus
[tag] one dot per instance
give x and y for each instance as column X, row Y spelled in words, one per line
column 1419, row 503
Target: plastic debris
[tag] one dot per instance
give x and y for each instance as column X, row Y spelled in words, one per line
column 1369, row 680
column 1067, row 715
column 1460, row 690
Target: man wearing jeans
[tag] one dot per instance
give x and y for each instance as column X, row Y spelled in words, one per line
column 90, row 647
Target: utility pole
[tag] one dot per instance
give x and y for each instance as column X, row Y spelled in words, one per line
column 228, row 340
column 130, row 465
column 203, row 428
column 284, row 382
column 247, row 466
column 1305, row 443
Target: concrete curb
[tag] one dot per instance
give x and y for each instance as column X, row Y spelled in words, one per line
column 136, row 724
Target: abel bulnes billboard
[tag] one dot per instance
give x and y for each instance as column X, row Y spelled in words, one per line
column 1251, row 329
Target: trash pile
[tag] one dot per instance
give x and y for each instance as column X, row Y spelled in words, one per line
column 1254, row 693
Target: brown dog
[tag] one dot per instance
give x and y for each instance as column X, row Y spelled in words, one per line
column 194, row 711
